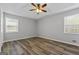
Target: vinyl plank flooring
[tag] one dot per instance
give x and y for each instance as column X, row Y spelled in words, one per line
column 38, row 46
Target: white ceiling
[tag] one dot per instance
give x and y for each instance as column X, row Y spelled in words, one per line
column 22, row 9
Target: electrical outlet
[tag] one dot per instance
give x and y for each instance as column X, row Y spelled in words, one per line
column 74, row 41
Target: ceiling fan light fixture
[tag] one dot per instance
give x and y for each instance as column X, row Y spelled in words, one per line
column 39, row 8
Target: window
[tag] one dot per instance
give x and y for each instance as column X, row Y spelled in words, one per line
column 11, row 25
column 71, row 24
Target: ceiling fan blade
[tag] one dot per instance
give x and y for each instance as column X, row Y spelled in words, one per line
column 44, row 5
column 32, row 9
column 38, row 5
column 44, row 10
column 33, row 4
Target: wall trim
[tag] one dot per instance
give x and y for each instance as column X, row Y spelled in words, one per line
column 47, row 37
column 76, row 6
column 18, row 39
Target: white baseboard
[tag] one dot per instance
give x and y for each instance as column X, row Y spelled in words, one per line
column 47, row 37
column 18, row 39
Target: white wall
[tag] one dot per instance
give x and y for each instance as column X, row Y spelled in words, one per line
column 53, row 27
column 1, row 28
column 27, row 28
column 0, row 33
column 50, row 27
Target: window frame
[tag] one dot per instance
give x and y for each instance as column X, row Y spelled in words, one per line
column 17, row 21
column 72, row 32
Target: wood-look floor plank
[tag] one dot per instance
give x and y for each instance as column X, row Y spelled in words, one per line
column 38, row 46
column 66, row 47
column 26, row 47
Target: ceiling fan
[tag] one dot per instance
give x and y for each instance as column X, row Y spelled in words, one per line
column 38, row 7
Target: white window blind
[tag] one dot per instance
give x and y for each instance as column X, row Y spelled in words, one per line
column 11, row 25
column 71, row 24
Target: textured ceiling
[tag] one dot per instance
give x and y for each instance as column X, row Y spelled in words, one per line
column 22, row 9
